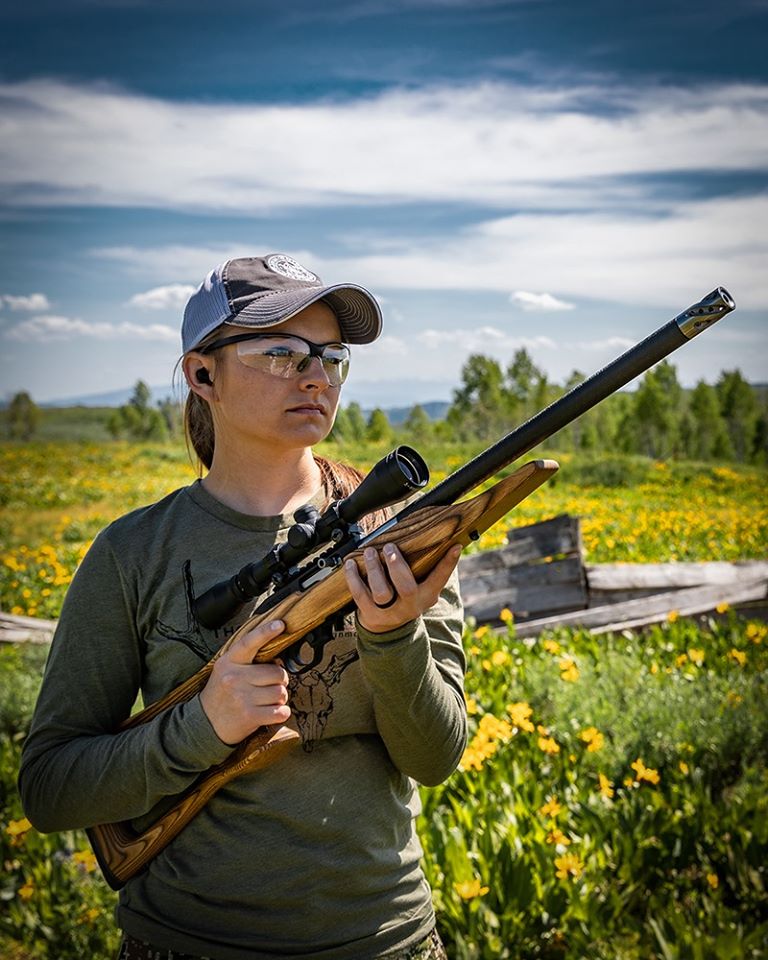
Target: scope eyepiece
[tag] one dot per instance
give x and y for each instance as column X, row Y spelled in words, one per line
column 395, row 476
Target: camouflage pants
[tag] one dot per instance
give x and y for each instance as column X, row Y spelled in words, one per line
column 430, row 948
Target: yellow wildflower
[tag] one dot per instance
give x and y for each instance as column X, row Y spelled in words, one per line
column 470, row 889
column 673, row 616
column 552, row 646
column 521, row 713
column 556, row 835
column 89, row 916
column 680, row 659
column 17, row 828
column 723, row 607
column 506, row 615
column 548, row 745
column 481, row 631
column 756, row 632
column 593, row 738
column 568, row 670
column 733, row 699
column 643, row 773
column 606, row 788
column 551, row 808
column 568, row 865
column 471, row 759
column 738, row 656
column 499, row 658
column 27, row 890
column 696, row 655
column 492, row 727
column 485, row 742
column 86, row 859
column 713, row 880
column 684, row 768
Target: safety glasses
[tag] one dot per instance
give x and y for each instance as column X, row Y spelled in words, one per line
column 287, row 355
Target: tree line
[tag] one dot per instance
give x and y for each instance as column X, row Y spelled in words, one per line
column 660, row 419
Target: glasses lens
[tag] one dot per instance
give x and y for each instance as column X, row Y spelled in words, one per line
column 286, row 357
column 335, row 361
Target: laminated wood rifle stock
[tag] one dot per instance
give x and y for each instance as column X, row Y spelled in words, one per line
column 424, row 531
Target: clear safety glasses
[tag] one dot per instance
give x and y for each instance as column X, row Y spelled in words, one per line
column 287, row 355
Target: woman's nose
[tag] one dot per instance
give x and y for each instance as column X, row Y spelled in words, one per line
column 314, row 374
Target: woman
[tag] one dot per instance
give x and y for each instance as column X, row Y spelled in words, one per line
column 315, row 856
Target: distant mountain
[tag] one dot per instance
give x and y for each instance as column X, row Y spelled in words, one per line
column 435, row 409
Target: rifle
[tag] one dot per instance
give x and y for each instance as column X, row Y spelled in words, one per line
column 304, row 597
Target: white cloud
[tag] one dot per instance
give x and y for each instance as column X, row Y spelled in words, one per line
column 33, row 301
column 51, row 327
column 608, row 344
column 189, row 263
column 492, row 143
column 659, row 263
column 539, row 302
column 482, row 339
column 171, row 297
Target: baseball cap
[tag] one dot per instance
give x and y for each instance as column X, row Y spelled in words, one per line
column 263, row 291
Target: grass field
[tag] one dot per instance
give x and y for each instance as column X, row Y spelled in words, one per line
column 613, row 800
column 55, row 497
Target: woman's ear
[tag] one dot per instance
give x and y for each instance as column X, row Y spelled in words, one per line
column 198, row 372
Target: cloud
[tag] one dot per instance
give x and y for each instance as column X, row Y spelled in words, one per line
column 539, row 302
column 498, row 144
column 602, row 346
column 483, row 339
column 171, row 297
column 33, row 301
column 51, row 327
column 187, row 262
column 645, row 262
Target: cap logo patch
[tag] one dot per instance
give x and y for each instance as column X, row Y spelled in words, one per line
column 288, row 267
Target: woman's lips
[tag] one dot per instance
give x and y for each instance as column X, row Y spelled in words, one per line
column 308, row 408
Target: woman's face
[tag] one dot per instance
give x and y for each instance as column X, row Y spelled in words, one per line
column 255, row 407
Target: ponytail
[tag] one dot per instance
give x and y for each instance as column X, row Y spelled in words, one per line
column 198, row 430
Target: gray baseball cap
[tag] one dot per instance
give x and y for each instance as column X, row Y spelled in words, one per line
column 263, row 291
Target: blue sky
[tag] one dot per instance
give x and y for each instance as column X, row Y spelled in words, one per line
column 559, row 176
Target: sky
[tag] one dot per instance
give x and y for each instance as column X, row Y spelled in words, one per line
column 563, row 177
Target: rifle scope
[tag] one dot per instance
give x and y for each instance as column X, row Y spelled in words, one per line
column 398, row 474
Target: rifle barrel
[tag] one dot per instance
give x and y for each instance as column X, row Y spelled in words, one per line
column 581, row 398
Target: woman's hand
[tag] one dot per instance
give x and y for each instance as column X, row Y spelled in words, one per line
column 392, row 597
column 241, row 695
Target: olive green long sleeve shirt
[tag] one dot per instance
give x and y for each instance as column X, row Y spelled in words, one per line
column 316, row 856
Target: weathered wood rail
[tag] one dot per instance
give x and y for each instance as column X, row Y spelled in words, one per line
column 540, row 575
column 542, row 578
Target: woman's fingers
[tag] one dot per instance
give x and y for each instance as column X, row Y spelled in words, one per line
column 379, row 584
column 245, row 648
column 392, row 596
column 241, row 695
